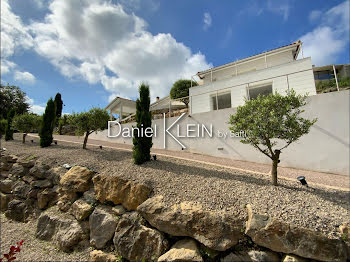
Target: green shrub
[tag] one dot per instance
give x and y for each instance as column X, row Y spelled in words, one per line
column 47, row 124
column 8, row 129
column 142, row 144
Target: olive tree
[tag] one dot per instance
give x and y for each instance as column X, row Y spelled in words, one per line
column 88, row 122
column 180, row 90
column 271, row 123
column 26, row 123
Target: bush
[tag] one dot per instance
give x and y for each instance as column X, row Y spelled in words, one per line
column 47, row 124
column 142, row 144
column 8, row 128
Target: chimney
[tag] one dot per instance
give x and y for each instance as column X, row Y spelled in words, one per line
column 157, row 98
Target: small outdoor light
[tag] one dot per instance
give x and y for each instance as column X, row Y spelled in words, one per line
column 32, row 141
column 302, row 180
column 55, row 142
column 154, row 157
column 100, row 146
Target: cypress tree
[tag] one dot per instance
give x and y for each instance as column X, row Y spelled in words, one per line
column 58, row 105
column 8, row 129
column 47, row 124
column 142, row 144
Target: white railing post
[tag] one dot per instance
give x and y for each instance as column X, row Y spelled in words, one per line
column 336, row 78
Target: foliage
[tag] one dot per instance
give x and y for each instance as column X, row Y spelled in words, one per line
column 3, row 124
column 26, row 123
column 47, row 124
column 12, row 97
column 331, row 85
column 58, row 106
column 180, row 89
column 87, row 122
column 13, row 250
column 272, row 122
column 8, row 129
column 142, row 144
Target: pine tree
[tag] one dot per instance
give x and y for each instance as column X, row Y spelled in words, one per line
column 142, row 144
column 8, row 129
column 47, row 124
column 58, row 106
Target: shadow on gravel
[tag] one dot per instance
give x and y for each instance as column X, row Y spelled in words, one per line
column 341, row 198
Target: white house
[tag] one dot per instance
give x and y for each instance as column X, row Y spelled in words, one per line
column 228, row 85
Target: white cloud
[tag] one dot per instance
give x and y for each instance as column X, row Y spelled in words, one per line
column 14, row 37
column 207, row 20
column 327, row 41
column 83, row 39
column 24, row 77
column 37, row 109
column 315, row 15
column 281, row 7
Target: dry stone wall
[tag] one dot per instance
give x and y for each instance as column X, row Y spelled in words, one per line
column 78, row 207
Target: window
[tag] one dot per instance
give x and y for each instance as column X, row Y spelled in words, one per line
column 253, row 92
column 224, row 101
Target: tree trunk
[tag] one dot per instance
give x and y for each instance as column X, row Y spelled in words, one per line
column 24, row 138
column 275, row 162
column 86, row 139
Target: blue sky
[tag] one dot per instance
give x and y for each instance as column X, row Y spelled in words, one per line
column 93, row 50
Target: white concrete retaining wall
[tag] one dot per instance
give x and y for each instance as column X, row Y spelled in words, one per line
column 325, row 148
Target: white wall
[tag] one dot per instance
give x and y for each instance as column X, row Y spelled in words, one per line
column 297, row 74
column 325, row 148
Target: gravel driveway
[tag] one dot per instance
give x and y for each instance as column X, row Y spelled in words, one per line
column 216, row 188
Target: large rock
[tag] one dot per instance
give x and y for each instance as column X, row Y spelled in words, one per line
column 120, row 191
column 47, row 198
column 40, row 170
column 183, row 250
column 281, row 237
column 102, row 226
column 216, row 230
column 293, row 258
column 17, row 210
column 56, row 173
column 26, row 163
column 137, row 242
column 81, row 209
column 42, row 183
column 76, row 180
column 100, row 256
column 21, row 190
column 263, row 256
column 6, row 185
column 18, row 170
column 252, row 256
column 4, row 200
column 64, row 231
column 9, row 158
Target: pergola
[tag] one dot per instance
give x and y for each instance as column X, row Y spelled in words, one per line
column 121, row 106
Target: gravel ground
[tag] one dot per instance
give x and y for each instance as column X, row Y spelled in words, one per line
column 33, row 248
column 313, row 177
column 216, row 188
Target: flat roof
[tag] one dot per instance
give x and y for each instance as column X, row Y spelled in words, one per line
column 295, row 45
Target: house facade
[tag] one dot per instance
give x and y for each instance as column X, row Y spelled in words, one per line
column 228, row 86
